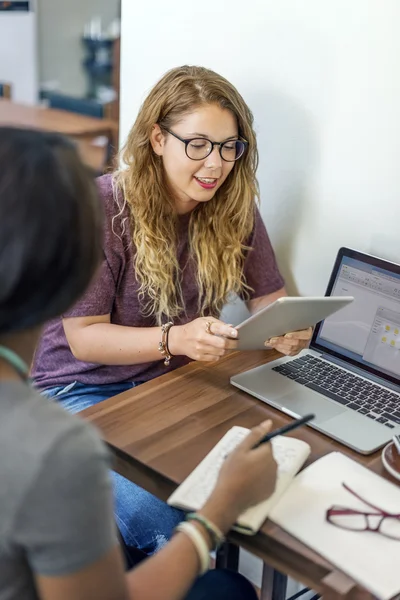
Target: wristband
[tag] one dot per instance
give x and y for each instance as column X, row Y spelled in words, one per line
column 214, row 532
column 198, row 542
column 163, row 344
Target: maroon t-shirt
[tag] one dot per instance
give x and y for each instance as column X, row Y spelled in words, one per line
column 115, row 291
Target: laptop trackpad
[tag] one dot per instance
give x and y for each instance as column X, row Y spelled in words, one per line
column 303, row 401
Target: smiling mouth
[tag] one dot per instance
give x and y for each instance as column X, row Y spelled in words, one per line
column 207, row 182
column 207, row 179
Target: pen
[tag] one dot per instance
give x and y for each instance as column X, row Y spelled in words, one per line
column 294, row 425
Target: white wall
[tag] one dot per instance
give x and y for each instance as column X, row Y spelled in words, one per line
column 323, row 81
column 61, row 24
column 18, row 57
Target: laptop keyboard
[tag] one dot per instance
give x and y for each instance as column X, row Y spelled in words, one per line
column 344, row 387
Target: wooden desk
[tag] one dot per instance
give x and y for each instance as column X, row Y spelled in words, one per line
column 95, row 157
column 50, row 119
column 161, row 430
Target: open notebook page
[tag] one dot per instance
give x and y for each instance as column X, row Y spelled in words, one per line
column 289, row 453
column 367, row 557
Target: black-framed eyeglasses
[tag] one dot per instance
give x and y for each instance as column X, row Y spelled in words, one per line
column 200, row 148
column 379, row 521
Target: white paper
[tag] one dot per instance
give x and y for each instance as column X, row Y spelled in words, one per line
column 289, row 453
column 369, row 558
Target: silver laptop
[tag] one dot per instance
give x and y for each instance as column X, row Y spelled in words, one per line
column 350, row 376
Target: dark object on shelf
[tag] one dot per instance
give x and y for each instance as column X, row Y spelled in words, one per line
column 83, row 106
column 14, row 6
column 98, row 64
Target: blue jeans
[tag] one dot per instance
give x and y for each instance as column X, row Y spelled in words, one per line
column 145, row 522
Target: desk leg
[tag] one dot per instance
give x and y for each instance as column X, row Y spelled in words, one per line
column 274, row 584
column 228, row 557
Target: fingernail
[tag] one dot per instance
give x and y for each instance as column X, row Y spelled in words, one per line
column 273, row 340
column 266, row 423
column 233, row 333
column 289, row 336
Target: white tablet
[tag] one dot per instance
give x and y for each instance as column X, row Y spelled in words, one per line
column 290, row 313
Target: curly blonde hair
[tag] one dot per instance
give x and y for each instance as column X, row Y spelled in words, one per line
column 218, row 229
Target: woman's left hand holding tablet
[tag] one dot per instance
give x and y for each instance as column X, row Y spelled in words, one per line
column 291, row 343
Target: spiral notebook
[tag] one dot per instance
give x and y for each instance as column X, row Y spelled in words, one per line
column 290, row 455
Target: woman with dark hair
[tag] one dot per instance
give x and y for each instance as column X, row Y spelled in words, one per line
column 57, row 532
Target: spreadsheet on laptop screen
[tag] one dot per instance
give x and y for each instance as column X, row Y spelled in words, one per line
column 368, row 329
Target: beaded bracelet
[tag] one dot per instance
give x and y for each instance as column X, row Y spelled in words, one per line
column 163, row 344
column 214, row 532
column 198, row 542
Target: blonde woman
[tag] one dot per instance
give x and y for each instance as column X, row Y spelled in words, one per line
column 182, row 233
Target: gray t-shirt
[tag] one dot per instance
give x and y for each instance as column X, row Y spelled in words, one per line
column 56, row 507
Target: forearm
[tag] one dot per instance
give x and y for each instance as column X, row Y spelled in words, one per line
column 94, row 339
column 171, row 572
column 109, row 344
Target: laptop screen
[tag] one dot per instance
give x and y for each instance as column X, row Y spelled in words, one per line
column 365, row 333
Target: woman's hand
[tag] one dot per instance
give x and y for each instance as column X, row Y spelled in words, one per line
column 247, row 477
column 204, row 339
column 291, row 343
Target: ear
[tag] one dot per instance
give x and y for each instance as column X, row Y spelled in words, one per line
column 157, row 140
